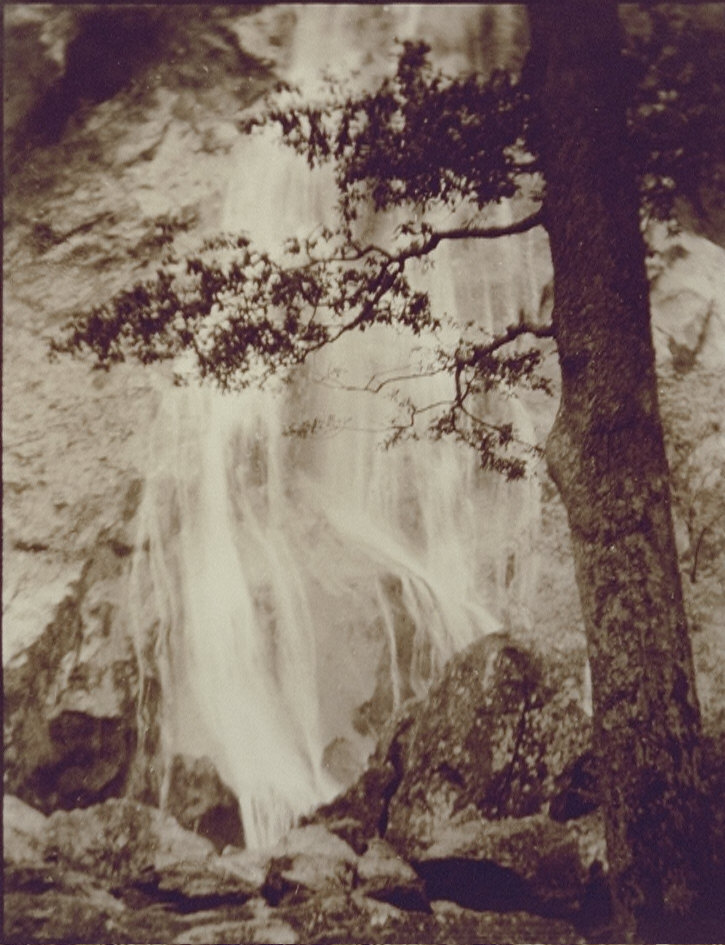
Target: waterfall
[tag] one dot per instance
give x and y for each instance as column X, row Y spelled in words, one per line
column 290, row 589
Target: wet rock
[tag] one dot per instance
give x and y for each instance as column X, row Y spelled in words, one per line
column 309, row 860
column 262, row 925
column 385, row 876
column 494, row 735
column 70, row 719
column 200, row 801
column 121, row 840
column 531, row 863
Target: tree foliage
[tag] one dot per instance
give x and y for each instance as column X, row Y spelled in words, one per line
column 420, row 139
column 677, row 110
column 419, row 142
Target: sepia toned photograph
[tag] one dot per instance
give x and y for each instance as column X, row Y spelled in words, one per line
column 363, row 434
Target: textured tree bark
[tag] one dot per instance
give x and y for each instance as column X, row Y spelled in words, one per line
column 606, row 455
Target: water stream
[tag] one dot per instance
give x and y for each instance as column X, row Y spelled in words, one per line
column 302, row 587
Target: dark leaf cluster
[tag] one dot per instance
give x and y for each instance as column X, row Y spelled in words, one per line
column 421, row 138
column 677, row 105
column 244, row 315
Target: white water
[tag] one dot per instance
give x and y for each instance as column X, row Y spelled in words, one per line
column 277, row 572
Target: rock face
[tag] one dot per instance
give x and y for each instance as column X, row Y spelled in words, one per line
column 99, row 104
column 70, row 716
column 201, row 802
column 121, row 872
column 494, row 736
column 462, row 785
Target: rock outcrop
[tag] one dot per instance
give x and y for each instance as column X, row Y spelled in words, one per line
column 495, row 734
column 463, row 782
column 70, row 697
column 200, row 801
column 99, row 104
column 121, row 872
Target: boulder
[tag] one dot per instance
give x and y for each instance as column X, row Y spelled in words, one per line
column 462, row 783
column 494, row 735
column 529, row 863
column 309, row 860
column 121, row 840
column 383, row 875
column 200, row 801
column 70, row 697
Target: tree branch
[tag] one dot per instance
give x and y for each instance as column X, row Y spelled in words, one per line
column 478, row 352
column 479, row 233
column 395, row 263
column 418, row 250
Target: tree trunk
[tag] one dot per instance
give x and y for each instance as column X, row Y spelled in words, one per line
column 606, row 455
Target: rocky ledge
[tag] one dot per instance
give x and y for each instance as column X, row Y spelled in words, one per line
column 477, row 819
column 123, row 872
column 448, row 836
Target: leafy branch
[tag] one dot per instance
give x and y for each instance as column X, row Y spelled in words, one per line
column 241, row 315
column 420, row 139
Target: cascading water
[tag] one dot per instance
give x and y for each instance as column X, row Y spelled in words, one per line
column 284, row 572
